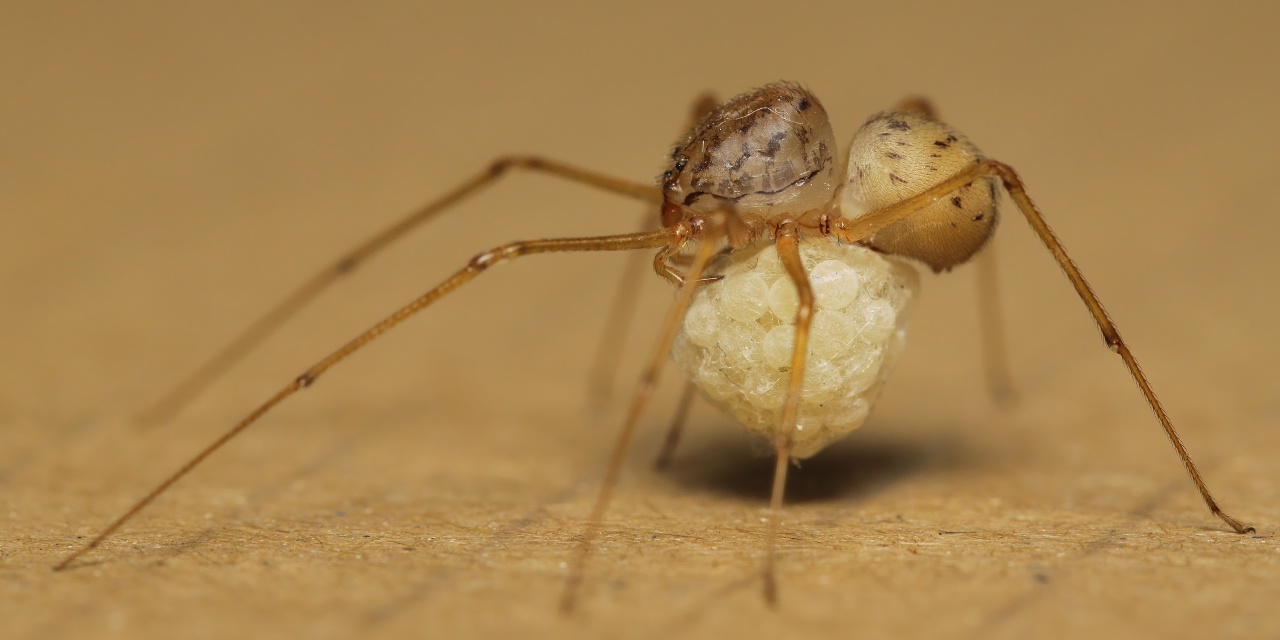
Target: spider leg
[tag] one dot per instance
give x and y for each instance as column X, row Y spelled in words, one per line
column 477, row 265
column 713, row 229
column 864, row 226
column 995, row 352
column 198, row 380
column 604, row 367
column 788, row 246
column 669, row 444
column 919, row 104
column 1013, row 185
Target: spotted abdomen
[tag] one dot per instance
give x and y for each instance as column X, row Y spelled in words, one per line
column 898, row 154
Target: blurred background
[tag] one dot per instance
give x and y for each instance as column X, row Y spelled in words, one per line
column 168, row 171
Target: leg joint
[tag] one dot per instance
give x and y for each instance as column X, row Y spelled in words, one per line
column 503, row 164
column 494, row 256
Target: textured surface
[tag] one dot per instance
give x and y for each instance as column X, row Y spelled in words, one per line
column 171, row 169
column 738, row 337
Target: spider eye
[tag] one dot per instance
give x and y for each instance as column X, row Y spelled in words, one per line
column 680, row 164
column 666, row 175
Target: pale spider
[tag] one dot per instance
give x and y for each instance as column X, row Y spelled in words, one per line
column 767, row 239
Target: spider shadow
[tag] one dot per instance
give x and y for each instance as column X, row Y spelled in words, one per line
column 856, row 467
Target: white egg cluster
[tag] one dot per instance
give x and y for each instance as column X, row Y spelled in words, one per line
column 739, row 334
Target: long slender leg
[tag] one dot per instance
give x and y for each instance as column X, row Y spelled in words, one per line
column 640, row 397
column 477, row 265
column 919, row 104
column 862, row 227
column 669, row 444
column 1013, row 184
column 198, row 380
column 605, row 366
column 789, row 250
column 995, row 353
column 995, row 358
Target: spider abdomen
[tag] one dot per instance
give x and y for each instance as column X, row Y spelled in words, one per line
column 898, row 154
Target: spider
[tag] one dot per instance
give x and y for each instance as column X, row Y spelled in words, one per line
column 793, row 275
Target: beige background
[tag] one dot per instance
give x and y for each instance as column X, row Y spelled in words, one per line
column 169, row 171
